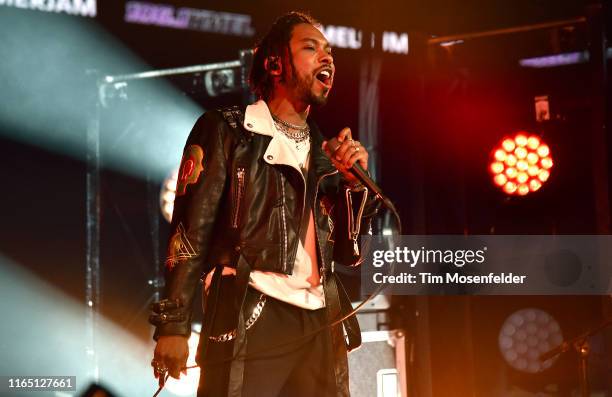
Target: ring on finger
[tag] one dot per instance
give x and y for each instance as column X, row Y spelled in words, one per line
column 158, row 367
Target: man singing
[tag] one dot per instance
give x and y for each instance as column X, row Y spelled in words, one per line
column 264, row 211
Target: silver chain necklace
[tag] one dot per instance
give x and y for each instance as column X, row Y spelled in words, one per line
column 289, row 125
column 295, row 132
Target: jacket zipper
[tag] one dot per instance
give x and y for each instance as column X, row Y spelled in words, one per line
column 284, row 225
column 355, row 224
column 240, row 174
column 314, row 208
column 285, row 247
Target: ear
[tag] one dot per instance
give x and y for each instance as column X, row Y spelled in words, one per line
column 273, row 65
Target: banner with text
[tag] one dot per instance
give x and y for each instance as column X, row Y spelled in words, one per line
column 487, row 265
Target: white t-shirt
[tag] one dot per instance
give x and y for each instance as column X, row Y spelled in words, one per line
column 303, row 287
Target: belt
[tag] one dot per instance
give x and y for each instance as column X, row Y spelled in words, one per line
column 339, row 305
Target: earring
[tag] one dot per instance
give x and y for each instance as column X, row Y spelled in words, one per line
column 273, row 63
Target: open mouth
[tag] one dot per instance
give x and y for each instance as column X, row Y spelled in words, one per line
column 325, row 77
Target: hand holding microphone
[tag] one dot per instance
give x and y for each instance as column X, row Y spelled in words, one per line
column 351, row 158
column 344, row 152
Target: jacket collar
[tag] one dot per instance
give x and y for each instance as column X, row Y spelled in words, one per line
column 258, row 119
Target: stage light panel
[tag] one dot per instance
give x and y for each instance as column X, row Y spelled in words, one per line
column 525, row 335
column 520, row 163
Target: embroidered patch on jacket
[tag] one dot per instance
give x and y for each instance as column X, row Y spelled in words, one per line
column 326, row 206
column 331, row 229
column 179, row 248
column 191, row 167
column 326, row 209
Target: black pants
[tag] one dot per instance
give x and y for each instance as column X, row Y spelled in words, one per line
column 298, row 368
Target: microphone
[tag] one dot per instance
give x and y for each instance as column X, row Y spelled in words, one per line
column 358, row 172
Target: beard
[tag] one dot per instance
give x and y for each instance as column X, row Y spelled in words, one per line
column 302, row 87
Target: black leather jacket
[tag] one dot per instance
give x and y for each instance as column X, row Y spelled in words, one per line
column 234, row 206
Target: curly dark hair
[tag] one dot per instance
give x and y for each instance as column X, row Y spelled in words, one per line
column 275, row 43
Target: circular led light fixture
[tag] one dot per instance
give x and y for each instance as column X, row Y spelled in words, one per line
column 520, row 164
column 525, row 335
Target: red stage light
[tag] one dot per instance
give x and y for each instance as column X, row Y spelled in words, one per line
column 533, row 142
column 497, row 167
column 534, row 185
column 520, row 164
column 543, row 175
column 523, row 190
column 520, row 139
column 532, row 158
column 500, row 155
column 500, row 179
column 520, row 152
column 510, row 187
column 543, row 150
column 508, row 145
column 547, row 163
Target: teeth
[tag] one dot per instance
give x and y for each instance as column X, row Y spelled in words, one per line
column 325, row 73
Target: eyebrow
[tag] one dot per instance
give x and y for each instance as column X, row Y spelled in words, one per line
column 315, row 41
